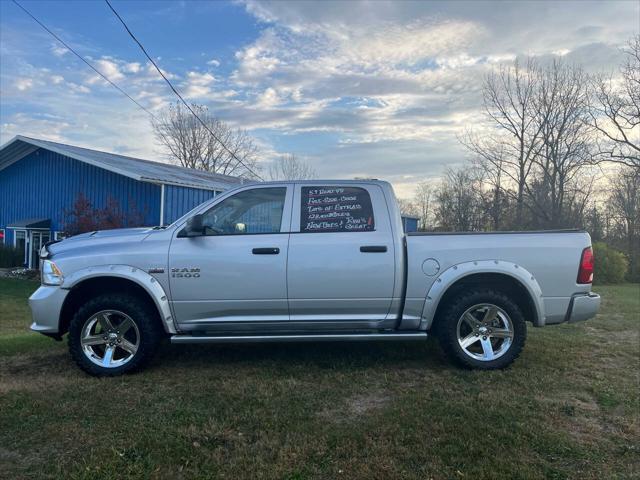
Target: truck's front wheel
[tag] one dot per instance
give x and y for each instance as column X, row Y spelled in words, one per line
column 113, row 334
column 482, row 329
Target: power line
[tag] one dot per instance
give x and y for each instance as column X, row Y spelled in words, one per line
column 82, row 58
column 178, row 94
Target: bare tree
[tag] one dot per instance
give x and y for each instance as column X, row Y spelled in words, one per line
column 615, row 111
column 190, row 144
column 493, row 174
column 624, row 204
column 561, row 108
column 423, row 204
column 509, row 149
column 537, row 145
column 459, row 204
column 289, row 167
column 407, row 207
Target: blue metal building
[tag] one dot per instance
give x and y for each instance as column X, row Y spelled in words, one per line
column 40, row 181
column 410, row 223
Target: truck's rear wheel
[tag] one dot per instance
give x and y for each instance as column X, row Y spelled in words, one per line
column 113, row 334
column 482, row 329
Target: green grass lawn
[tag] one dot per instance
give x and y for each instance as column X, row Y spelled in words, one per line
column 568, row 408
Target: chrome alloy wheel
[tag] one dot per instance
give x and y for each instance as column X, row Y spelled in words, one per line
column 110, row 338
column 485, row 332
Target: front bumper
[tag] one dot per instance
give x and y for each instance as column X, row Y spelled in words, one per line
column 46, row 305
column 583, row 307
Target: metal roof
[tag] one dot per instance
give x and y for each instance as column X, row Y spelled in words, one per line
column 136, row 168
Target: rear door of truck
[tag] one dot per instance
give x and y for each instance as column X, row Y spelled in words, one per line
column 341, row 261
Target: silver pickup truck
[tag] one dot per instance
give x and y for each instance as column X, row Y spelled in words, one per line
column 307, row 261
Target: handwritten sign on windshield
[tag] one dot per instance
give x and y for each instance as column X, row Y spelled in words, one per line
column 336, row 209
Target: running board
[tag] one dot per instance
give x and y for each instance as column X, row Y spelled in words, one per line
column 331, row 337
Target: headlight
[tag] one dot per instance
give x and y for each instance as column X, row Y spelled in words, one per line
column 51, row 274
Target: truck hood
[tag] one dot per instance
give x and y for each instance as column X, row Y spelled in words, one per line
column 100, row 237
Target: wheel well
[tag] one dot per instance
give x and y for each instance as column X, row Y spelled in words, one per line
column 497, row 281
column 100, row 285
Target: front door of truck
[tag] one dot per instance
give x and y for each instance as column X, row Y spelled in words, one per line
column 341, row 262
column 236, row 271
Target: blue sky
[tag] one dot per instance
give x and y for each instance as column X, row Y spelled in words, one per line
column 376, row 89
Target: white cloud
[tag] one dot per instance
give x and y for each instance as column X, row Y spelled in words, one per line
column 35, row 126
column 56, row 79
column 198, row 85
column 59, row 50
column 407, row 44
column 133, row 67
column 260, row 58
column 269, row 98
column 202, row 79
column 306, row 81
column 153, row 73
column 109, row 69
column 23, row 84
column 76, row 88
column 213, row 62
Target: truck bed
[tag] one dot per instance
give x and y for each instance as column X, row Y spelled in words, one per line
column 551, row 258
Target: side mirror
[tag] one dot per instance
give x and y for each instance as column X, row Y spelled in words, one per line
column 193, row 228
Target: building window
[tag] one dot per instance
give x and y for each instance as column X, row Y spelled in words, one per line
column 57, row 236
column 19, row 238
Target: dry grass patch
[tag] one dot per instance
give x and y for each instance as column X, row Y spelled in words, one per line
column 354, row 407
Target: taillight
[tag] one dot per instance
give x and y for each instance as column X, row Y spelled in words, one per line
column 585, row 272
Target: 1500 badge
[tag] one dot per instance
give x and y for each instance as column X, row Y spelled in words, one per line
column 185, row 272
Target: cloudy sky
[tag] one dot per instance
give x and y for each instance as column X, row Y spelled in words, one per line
column 375, row 89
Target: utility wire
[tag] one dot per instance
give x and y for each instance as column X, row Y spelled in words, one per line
column 82, row 58
column 249, row 169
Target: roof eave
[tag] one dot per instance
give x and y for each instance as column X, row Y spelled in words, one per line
column 157, row 181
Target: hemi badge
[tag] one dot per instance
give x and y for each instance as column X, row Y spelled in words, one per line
column 156, row 270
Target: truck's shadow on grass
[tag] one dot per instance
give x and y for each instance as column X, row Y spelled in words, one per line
column 322, row 355
column 272, row 357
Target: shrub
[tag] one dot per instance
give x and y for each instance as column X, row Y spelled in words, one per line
column 611, row 265
column 10, row 257
column 84, row 217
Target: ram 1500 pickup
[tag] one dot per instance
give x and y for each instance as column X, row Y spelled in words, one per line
column 307, row 261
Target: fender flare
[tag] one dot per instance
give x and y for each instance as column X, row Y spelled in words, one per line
column 450, row 276
column 133, row 274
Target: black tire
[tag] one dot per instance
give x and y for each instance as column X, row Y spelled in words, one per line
column 140, row 312
column 447, row 327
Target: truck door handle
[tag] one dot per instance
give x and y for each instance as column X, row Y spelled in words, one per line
column 373, row 249
column 266, row 251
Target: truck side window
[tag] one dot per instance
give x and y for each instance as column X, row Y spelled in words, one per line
column 251, row 211
column 336, row 209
